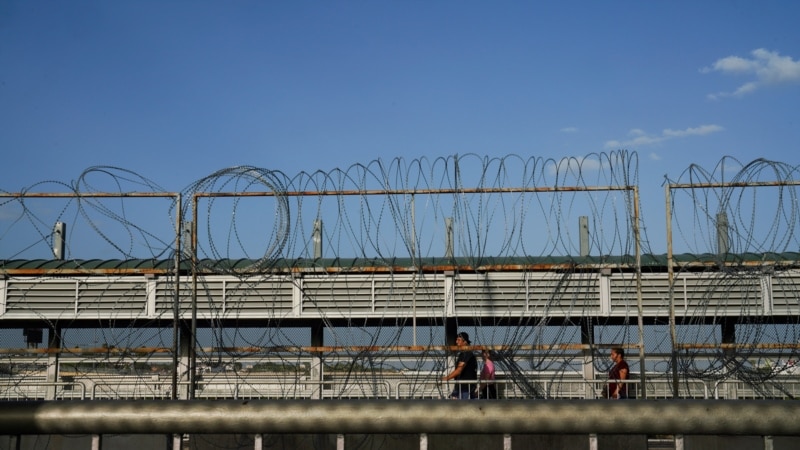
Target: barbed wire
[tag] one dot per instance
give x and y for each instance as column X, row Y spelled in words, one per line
column 501, row 209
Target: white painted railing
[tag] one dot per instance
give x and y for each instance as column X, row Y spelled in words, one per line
column 116, row 388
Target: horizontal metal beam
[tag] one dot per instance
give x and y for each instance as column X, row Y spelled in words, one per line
column 688, row 417
column 76, row 194
column 267, row 350
column 441, row 191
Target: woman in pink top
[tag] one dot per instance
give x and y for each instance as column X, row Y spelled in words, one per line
column 487, row 388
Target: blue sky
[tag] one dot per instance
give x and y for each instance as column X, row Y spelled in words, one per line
column 177, row 90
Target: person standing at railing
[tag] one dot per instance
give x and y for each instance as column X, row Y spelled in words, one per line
column 487, row 388
column 619, row 372
column 466, row 370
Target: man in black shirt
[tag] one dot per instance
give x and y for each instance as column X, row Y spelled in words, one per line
column 466, row 370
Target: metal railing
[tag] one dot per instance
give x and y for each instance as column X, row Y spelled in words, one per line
column 42, row 390
column 20, row 389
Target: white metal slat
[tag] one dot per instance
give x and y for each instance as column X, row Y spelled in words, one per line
column 124, row 295
column 39, row 298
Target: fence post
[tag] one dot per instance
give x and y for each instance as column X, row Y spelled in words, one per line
column 97, row 441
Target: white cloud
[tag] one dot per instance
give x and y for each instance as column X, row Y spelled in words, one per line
column 655, row 156
column 575, row 165
column 569, row 130
column 697, row 131
column 768, row 67
column 639, row 138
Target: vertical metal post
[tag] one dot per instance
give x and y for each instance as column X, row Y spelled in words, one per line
column 184, row 364
column 423, row 441
column 177, row 441
column 583, row 232
column 59, row 238
column 97, row 441
column 722, row 234
column 54, row 350
column 728, row 334
column 671, row 278
column 193, row 333
column 768, row 444
column 449, row 253
column 506, row 441
column 339, row 442
column 587, row 339
column 316, row 238
column 259, row 442
column 414, row 263
column 317, row 370
column 176, row 308
column 639, row 301
column 678, row 442
column 413, row 231
column 414, row 282
column 592, row 442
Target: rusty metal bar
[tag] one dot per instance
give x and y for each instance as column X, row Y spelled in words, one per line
column 193, row 332
column 639, row 301
column 740, row 346
column 692, row 417
column 514, row 190
column 673, row 334
column 118, row 351
column 87, row 194
column 433, row 268
column 743, row 184
column 176, row 300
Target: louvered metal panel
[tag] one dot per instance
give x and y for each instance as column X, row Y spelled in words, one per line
column 227, row 296
column 116, row 298
column 655, row 295
column 165, row 297
column 404, row 295
column 210, row 297
column 786, row 293
column 491, row 294
column 269, row 297
column 541, row 294
column 569, row 294
column 496, row 294
column 718, row 295
column 337, row 295
column 40, row 298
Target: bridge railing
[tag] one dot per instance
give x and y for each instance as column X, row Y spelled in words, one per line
column 397, row 387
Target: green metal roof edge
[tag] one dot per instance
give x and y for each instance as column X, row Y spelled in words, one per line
column 647, row 260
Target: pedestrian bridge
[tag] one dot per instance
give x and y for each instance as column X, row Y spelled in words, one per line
column 694, row 326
